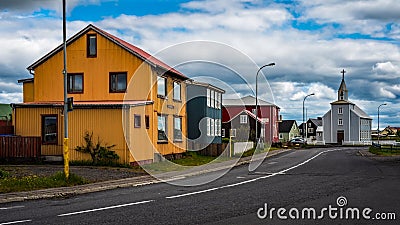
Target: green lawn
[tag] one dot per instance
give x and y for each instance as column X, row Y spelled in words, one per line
column 28, row 183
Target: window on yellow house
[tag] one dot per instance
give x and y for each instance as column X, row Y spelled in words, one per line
column 162, row 87
column 177, row 91
column 118, row 82
column 177, row 129
column 162, row 128
column 137, row 122
column 91, row 45
column 49, row 129
column 75, row 83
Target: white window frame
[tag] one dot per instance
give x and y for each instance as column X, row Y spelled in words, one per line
column 340, row 110
column 208, row 98
column 223, row 133
column 212, row 126
column 219, row 100
column 340, row 122
column 159, row 94
column 177, row 87
column 243, row 119
column 212, row 98
column 208, row 126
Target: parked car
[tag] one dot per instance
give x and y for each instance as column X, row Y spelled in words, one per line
column 298, row 141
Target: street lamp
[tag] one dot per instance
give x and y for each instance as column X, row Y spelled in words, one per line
column 378, row 119
column 304, row 123
column 270, row 64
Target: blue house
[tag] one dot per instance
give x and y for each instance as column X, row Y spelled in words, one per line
column 204, row 114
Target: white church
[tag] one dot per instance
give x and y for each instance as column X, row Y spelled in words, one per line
column 346, row 122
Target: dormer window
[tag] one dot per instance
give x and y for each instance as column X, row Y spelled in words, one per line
column 91, row 45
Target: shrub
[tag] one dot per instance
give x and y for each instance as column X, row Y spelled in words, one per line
column 97, row 151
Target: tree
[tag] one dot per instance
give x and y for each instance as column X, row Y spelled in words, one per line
column 97, row 151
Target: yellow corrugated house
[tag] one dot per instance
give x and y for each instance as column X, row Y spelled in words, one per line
column 121, row 93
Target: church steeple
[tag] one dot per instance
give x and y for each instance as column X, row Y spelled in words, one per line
column 343, row 93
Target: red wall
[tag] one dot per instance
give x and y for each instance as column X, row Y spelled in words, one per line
column 271, row 131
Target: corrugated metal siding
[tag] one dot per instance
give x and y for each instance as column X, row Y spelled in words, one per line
column 106, row 125
column 28, row 122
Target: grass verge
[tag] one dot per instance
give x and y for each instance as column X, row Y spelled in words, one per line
column 13, row 184
column 383, row 151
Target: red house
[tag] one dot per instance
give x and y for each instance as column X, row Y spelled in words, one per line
column 268, row 117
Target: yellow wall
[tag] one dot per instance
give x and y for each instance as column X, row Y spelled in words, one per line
column 110, row 58
column 171, row 108
column 28, row 91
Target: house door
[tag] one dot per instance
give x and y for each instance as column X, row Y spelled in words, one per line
column 340, row 136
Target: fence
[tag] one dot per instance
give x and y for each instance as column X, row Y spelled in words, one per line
column 14, row 147
column 6, row 130
column 212, row 149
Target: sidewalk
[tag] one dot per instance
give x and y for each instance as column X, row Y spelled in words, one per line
column 127, row 182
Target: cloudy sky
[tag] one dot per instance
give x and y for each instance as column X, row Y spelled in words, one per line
column 310, row 42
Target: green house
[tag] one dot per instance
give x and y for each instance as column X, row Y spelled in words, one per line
column 288, row 129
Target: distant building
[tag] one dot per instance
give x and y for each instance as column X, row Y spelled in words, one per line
column 312, row 128
column 268, row 116
column 288, row 129
column 345, row 122
column 204, row 114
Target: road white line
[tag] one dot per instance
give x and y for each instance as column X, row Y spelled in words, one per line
column 12, row 207
column 15, row 222
column 105, row 208
column 272, row 163
column 251, row 180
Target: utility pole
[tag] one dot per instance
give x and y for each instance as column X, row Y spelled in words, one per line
column 65, row 74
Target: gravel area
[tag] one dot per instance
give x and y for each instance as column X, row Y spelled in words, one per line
column 90, row 173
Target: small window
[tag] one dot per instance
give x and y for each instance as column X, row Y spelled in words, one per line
column 233, row 133
column 223, row 132
column 216, row 127
column 177, row 91
column 208, row 98
column 162, row 128
column 219, row 100
column 253, row 111
column 75, row 83
column 280, row 136
column 49, row 129
column 340, row 110
column 147, row 122
column 91, row 45
column 137, row 121
column 117, row 82
column 212, row 126
column 162, row 87
column 208, row 126
column 310, row 130
column 212, row 99
column 340, row 121
column 243, row 119
column 177, row 129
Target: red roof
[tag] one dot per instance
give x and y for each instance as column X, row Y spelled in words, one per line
column 127, row 46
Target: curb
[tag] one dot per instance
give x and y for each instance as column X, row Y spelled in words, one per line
column 63, row 192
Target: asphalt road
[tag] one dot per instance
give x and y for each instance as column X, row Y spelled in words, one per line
column 335, row 183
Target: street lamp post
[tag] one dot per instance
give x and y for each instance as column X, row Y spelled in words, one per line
column 270, row 64
column 304, row 123
column 378, row 119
